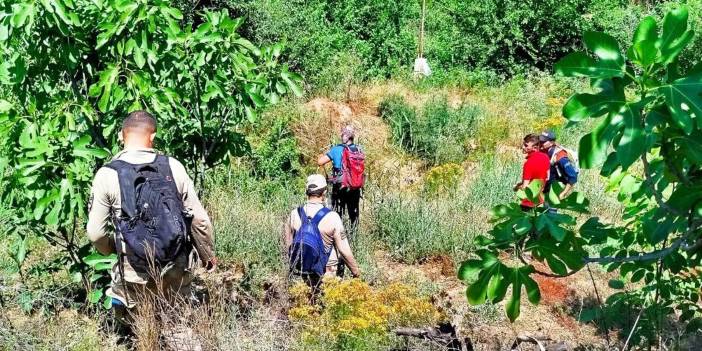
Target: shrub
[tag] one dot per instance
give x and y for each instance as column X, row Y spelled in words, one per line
column 356, row 316
column 443, row 179
column 413, row 229
column 274, row 150
column 438, row 133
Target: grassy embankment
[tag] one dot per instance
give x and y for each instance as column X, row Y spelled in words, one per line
column 439, row 159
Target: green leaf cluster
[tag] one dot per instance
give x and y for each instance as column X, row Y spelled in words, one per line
column 71, row 70
column 646, row 142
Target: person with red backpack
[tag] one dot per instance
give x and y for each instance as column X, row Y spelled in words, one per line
column 314, row 236
column 348, row 175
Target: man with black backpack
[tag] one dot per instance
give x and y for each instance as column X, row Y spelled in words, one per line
column 314, row 236
column 348, row 175
column 144, row 207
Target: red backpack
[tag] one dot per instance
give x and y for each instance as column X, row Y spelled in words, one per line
column 353, row 163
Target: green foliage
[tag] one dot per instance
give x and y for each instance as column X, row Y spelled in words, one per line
column 413, row 229
column 274, row 151
column 382, row 34
column 72, row 69
column 443, row 179
column 509, row 36
column 646, row 143
column 439, row 133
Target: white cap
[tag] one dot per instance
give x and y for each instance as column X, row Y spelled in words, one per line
column 315, row 182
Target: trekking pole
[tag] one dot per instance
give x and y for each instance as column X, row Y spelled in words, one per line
column 120, row 259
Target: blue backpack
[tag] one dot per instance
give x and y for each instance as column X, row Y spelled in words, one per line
column 307, row 252
column 152, row 222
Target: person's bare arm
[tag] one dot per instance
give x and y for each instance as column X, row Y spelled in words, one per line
column 100, row 213
column 288, row 233
column 344, row 249
column 566, row 191
column 202, row 231
column 323, row 160
column 522, row 185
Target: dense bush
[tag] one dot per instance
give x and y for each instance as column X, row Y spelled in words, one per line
column 274, row 153
column 316, row 32
column 438, row 132
column 501, row 36
column 413, row 229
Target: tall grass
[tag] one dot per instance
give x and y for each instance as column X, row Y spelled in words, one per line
column 438, row 132
column 248, row 215
column 414, row 228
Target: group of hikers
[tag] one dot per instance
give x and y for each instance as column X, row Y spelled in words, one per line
column 548, row 163
column 144, row 208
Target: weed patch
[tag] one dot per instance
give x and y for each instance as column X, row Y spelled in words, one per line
column 438, row 132
column 356, row 316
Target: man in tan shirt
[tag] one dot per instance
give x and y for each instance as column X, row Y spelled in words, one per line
column 138, row 133
column 330, row 227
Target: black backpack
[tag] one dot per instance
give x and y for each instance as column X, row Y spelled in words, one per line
column 152, row 222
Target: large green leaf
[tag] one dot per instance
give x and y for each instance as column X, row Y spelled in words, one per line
column 469, row 269
column 684, row 98
column 292, row 80
column 579, row 64
column 592, row 150
column 647, row 30
column 645, row 53
column 581, row 106
column 497, row 288
column 691, row 146
column 606, row 48
column 633, row 141
column 674, row 36
column 546, row 221
column 21, row 12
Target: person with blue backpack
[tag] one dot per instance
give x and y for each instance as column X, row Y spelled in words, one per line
column 314, row 236
column 564, row 164
column 143, row 207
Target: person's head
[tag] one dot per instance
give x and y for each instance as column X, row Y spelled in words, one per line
column 531, row 143
column 316, row 186
column 348, row 134
column 138, row 130
column 547, row 139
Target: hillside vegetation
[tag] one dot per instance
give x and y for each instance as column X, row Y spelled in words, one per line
column 249, row 93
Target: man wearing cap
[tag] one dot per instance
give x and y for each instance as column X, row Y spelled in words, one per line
column 330, row 227
column 342, row 199
column 562, row 168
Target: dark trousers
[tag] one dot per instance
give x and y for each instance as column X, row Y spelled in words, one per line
column 346, row 201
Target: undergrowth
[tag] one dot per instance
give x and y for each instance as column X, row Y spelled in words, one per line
column 438, row 132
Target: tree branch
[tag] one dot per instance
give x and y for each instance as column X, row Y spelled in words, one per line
column 656, row 194
column 657, row 254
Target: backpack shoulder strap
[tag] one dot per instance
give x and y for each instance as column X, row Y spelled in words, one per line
column 556, row 151
column 126, row 175
column 163, row 166
column 302, row 214
column 320, row 215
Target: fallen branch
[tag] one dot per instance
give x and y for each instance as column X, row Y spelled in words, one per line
column 536, row 340
column 444, row 334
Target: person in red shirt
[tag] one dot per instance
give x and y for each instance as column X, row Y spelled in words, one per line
column 536, row 167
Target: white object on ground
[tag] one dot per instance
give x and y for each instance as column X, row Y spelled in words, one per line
column 421, row 66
